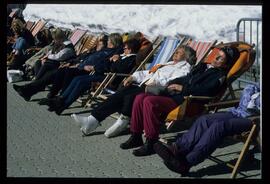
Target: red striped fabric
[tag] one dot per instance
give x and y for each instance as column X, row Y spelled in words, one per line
column 201, row 48
column 76, row 36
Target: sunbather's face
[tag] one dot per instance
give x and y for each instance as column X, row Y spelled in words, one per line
column 220, row 60
column 127, row 50
column 100, row 45
column 109, row 44
column 179, row 54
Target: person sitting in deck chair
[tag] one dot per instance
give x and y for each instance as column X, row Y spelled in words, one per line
column 23, row 40
column 96, row 62
column 150, row 110
column 208, row 131
column 182, row 60
column 28, row 90
column 123, row 63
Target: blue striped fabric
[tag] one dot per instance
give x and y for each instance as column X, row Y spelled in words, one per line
column 166, row 50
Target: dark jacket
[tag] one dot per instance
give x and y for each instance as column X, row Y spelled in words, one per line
column 100, row 59
column 200, row 81
column 123, row 65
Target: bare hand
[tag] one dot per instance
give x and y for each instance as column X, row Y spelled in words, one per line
column 88, row 68
column 114, row 58
column 128, row 81
column 175, row 87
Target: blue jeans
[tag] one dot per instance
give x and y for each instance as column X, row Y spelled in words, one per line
column 78, row 86
column 207, row 133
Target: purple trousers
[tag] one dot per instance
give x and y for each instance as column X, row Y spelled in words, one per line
column 207, row 133
column 148, row 112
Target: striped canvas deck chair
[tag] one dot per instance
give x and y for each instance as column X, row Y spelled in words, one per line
column 202, row 48
column 29, row 25
column 77, row 35
column 39, row 25
column 166, row 48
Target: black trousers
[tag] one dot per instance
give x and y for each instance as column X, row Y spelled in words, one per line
column 121, row 102
column 47, row 66
column 63, row 78
column 40, row 84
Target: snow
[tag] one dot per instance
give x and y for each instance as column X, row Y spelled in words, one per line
column 203, row 22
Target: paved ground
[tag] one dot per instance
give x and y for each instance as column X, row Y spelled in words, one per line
column 43, row 144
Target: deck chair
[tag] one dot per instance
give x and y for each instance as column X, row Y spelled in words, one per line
column 87, row 43
column 77, row 35
column 248, row 138
column 38, row 26
column 202, row 48
column 29, row 25
column 193, row 106
column 166, row 50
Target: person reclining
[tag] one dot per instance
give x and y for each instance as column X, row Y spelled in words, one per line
column 149, row 110
column 119, row 64
column 28, row 90
column 208, row 131
column 183, row 58
column 94, row 63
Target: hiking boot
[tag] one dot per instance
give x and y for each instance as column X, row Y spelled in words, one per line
column 119, row 126
column 173, row 161
column 135, row 140
column 22, row 92
column 146, row 149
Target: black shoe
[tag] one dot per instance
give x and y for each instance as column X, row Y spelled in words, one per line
column 22, row 92
column 146, row 149
column 51, row 95
column 176, row 163
column 59, row 110
column 135, row 140
column 44, row 101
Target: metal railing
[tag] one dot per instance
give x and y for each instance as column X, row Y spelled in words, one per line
column 249, row 30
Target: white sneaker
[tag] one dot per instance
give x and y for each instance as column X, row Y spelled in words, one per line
column 120, row 125
column 88, row 124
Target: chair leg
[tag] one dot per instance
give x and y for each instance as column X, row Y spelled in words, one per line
column 243, row 152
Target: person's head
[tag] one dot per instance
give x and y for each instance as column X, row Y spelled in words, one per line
column 115, row 40
column 131, row 46
column 185, row 53
column 58, row 35
column 226, row 57
column 102, row 42
column 17, row 27
column 44, row 37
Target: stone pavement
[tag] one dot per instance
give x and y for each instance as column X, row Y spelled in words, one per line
column 43, row 144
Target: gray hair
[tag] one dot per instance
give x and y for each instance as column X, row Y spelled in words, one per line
column 190, row 54
column 116, row 39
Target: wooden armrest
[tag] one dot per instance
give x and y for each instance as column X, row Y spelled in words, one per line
column 118, row 74
column 219, row 105
column 199, row 97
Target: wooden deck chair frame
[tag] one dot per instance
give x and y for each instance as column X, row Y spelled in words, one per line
column 77, row 35
column 194, row 105
column 39, row 25
column 110, row 76
column 248, row 137
column 88, row 42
